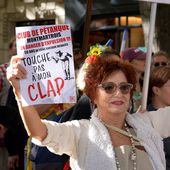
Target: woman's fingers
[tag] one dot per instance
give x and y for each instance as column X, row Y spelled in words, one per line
column 15, row 59
column 16, row 70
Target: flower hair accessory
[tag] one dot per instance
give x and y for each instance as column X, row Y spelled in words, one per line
column 96, row 50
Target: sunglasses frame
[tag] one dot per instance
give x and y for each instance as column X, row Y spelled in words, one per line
column 159, row 64
column 114, row 86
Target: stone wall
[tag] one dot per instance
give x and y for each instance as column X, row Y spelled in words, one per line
column 14, row 11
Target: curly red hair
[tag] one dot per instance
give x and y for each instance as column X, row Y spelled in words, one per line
column 103, row 67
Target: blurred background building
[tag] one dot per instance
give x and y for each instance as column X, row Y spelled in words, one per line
column 109, row 18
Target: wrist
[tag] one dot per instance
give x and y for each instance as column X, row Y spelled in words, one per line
column 18, row 100
column 17, row 96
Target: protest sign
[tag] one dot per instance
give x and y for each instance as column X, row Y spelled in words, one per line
column 48, row 58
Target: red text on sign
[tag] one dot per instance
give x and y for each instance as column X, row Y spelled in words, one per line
column 36, row 90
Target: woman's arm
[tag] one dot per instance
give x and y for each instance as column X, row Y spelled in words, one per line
column 29, row 115
column 159, row 120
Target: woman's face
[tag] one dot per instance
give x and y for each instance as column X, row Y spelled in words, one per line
column 115, row 103
column 163, row 94
column 159, row 59
column 13, row 50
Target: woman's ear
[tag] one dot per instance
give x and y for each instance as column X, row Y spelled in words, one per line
column 155, row 90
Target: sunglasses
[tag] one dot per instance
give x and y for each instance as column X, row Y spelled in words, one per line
column 158, row 64
column 110, row 87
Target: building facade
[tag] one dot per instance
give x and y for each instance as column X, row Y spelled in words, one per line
column 25, row 13
column 108, row 20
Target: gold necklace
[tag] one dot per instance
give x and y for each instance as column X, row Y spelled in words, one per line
column 133, row 150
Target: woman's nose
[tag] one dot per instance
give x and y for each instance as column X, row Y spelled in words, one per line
column 117, row 92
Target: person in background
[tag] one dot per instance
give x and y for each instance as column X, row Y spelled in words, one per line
column 78, row 57
column 160, row 58
column 97, row 143
column 159, row 97
column 9, row 122
column 12, row 47
column 137, row 57
column 7, row 99
column 4, row 84
column 78, row 62
column 3, row 152
column 159, row 88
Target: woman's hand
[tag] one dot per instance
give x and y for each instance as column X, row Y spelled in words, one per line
column 29, row 114
column 15, row 72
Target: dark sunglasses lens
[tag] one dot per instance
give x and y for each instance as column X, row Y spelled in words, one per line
column 125, row 88
column 156, row 64
column 109, row 87
column 160, row 64
column 163, row 64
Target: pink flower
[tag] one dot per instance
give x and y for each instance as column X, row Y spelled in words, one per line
column 91, row 59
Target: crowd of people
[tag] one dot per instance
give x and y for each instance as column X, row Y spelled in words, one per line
column 104, row 129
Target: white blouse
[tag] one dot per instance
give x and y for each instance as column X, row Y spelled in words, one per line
column 71, row 137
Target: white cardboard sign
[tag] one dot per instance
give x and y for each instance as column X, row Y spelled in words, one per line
column 48, row 59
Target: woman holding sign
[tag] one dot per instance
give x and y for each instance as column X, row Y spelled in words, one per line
column 112, row 139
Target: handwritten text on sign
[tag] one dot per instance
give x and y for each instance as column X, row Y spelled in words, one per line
column 48, row 58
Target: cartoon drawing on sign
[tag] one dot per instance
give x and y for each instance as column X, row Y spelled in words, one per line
column 65, row 62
